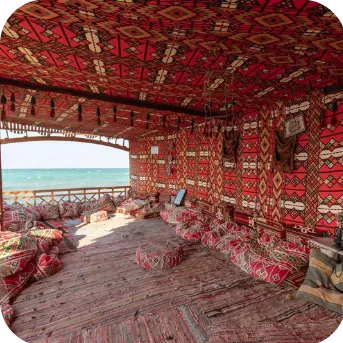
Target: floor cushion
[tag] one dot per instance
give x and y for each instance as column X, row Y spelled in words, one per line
column 18, row 220
column 93, row 216
column 46, row 265
column 317, row 287
column 219, row 230
column 8, row 313
column 192, row 230
column 180, row 214
column 130, row 205
column 149, row 211
column 69, row 209
column 159, row 255
column 12, row 285
column 16, row 251
column 262, row 268
column 273, row 248
column 46, row 238
column 48, row 211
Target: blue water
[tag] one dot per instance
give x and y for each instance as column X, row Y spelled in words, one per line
column 35, row 179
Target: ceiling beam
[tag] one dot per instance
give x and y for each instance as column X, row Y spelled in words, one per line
column 105, row 97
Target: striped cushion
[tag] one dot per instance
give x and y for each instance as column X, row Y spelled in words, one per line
column 337, row 277
column 317, row 287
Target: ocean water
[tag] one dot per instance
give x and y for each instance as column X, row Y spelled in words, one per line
column 35, row 179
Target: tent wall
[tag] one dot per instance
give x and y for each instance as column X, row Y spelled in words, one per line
column 309, row 196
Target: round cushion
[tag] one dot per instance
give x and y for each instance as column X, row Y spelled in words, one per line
column 157, row 255
column 191, row 231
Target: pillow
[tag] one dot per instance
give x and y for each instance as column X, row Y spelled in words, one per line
column 46, row 266
column 337, row 277
column 16, row 251
column 46, row 238
column 8, row 313
column 33, row 212
column 317, row 287
column 10, row 286
column 69, row 209
column 48, row 211
column 17, row 221
column 105, row 203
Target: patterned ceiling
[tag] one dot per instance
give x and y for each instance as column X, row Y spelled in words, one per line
column 161, row 52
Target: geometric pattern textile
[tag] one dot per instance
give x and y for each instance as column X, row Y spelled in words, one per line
column 159, row 255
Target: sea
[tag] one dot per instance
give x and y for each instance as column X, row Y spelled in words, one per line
column 36, row 179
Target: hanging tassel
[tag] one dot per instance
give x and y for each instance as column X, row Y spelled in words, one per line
column 147, row 121
column 334, row 107
column 164, row 120
column 98, row 114
column 322, row 119
column 132, row 115
column 79, row 109
column 205, row 132
column 3, row 103
column 178, row 123
column 52, row 106
column 33, row 104
column 192, row 129
column 219, row 127
column 114, row 114
column 12, row 108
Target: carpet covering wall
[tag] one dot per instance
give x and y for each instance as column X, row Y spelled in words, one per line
column 309, row 196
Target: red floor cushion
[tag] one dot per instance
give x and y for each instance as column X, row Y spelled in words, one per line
column 159, row 255
column 8, row 313
column 180, row 214
column 130, row 205
column 262, row 268
column 46, row 265
column 18, row 220
column 192, row 230
column 48, row 211
column 16, row 251
column 46, row 238
column 12, row 285
column 69, row 209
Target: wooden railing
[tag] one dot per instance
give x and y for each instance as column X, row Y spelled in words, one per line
column 54, row 196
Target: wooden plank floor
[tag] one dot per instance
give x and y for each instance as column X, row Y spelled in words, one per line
column 101, row 295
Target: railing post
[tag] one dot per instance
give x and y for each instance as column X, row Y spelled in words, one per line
column 84, row 195
column 34, row 199
column 53, row 198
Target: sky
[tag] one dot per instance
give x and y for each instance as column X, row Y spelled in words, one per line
column 36, row 155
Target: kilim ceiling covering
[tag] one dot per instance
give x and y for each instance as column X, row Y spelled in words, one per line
column 160, row 52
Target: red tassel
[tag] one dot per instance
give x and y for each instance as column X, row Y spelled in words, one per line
column 206, row 130
column 33, row 111
column 192, row 129
column 3, row 114
column 79, row 117
column 98, row 113
column 12, row 107
column 52, row 113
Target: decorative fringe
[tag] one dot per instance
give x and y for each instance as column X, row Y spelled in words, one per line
column 205, row 132
column 33, row 104
column 219, row 127
column 132, row 115
column 114, row 114
column 12, row 108
column 98, row 114
column 178, row 123
column 147, row 121
column 164, row 120
column 52, row 106
column 79, row 109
